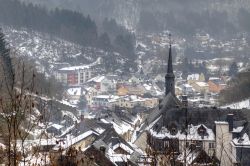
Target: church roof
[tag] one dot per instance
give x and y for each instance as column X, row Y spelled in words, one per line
column 169, row 101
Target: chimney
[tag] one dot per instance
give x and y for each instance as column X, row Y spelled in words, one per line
column 184, row 99
column 82, row 117
column 102, row 149
column 230, row 120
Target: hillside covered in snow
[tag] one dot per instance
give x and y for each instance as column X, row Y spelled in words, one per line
column 48, row 52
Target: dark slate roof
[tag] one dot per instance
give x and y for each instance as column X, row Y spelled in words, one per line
column 171, row 111
column 88, row 124
column 170, row 101
column 110, row 136
column 99, row 157
column 125, row 116
column 206, row 116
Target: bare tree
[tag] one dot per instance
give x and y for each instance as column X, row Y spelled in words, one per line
column 17, row 103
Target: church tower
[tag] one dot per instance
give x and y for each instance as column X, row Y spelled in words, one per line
column 170, row 78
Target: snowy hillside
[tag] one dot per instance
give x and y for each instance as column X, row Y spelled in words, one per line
column 47, row 51
column 239, row 105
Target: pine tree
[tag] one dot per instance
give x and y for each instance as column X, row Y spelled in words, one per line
column 6, row 61
column 233, row 69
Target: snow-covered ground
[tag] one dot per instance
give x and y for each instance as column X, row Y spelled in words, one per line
column 239, row 105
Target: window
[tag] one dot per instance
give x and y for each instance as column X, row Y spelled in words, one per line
column 211, row 146
column 187, row 144
column 199, row 144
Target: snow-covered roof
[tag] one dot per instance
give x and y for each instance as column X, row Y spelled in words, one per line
column 73, row 140
column 124, row 147
column 202, row 84
column 71, row 115
column 72, row 68
column 109, row 98
column 214, row 78
column 120, row 128
column 192, row 134
column 243, row 141
column 97, row 79
column 147, row 87
column 238, row 129
column 66, row 103
column 74, row 91
column 221, row 122
column 187, row 86
column 57, row 126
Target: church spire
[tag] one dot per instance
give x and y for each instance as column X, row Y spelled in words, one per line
column 170, row 78
column 170, row 65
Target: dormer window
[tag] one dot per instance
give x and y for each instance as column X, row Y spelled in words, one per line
column 173, row 129
column 202, row 130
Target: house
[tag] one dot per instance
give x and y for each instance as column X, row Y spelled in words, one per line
column 152, row 89
column 116, row 149
column 187, row 89
column 74, row 93
column 159, row 78
column 195, row 78
column 216, row 85
column 103, row 84
column 172, row 138
column 134, row 89
column 201, row 87
column 55, row 129
column 232, row 140
column 122, row 121
column 104, row 101
column 122, row 91
column 151, row 102
column 135, row 80
column 131, row 101
column 91, row 92
column 98, row 153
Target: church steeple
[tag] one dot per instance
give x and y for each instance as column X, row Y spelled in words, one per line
column 170, row 65
column 170, row 78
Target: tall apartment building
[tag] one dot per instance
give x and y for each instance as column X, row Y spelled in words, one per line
column 74, row 75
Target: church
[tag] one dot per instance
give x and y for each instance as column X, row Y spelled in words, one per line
column 187, row 135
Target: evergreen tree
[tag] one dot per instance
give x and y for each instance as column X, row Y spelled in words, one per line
column 6, row 61
column 233, row 69
column 82, row 104
column 104, row 42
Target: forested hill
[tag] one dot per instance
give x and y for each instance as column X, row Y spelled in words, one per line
column 238, row 89
column 221, row 18
column 68, row 25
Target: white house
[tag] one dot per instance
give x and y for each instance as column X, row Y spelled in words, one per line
column 103, row 84
column 104, row 101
